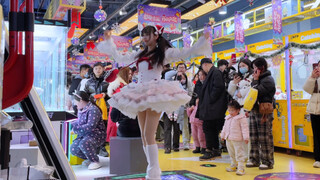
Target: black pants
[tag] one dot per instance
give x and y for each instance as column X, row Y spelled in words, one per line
column 315, row 122
column 167, row 132
column 211, row 131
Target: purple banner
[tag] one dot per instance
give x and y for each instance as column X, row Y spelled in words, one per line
column 208, row 28
column 170, row 19
column 277, row 22
column 186, row 40
column 239, row 33
column 217, row 32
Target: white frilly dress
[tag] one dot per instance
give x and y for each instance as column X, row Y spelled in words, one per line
column 151, row 92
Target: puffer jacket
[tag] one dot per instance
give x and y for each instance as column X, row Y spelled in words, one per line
column 89, row 122
column 314, row 102
column 235, row 128
column 96, row 85
column 266, row 89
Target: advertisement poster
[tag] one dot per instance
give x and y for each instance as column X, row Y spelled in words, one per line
column 239, row 33
column 277, row 22
column 170, row 19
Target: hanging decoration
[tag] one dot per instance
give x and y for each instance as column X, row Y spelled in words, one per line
column 100, row 15
column 116, row 27
column 221, row 1
column 75, row 22
column 90, row 45
column 250, row 2
column 75, row 41
column 282, row 50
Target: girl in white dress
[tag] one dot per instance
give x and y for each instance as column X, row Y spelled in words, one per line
column 151, row 96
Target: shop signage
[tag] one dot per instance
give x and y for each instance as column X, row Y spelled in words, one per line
column 239, row 33
column 227, row 54
column 169, row 18
column 306, row 37
column 277, row 22
column 263, row 46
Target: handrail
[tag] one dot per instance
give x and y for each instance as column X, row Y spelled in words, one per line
column 19, row 70
column 13, row 40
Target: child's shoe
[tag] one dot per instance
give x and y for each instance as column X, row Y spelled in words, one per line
column 316, row 164
column 94, row 165
column 240, row 172
column 231, row 168
column 86, row 162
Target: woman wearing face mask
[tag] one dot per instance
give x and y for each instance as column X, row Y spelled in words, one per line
column 240, row 85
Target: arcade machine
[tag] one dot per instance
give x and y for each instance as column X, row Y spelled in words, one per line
column 17, row 88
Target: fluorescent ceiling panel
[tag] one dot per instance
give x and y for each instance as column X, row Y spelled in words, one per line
column 202, row 10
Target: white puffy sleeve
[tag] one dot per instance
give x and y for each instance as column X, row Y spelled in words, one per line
column 200, row 48
column 110, row 48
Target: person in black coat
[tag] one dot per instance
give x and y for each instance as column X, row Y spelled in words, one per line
column 127, row 127
column 84, row 68
column 262, row 148
column 212, row 108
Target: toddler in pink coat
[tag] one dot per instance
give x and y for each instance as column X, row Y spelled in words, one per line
column 196, row 129
column 236, row 132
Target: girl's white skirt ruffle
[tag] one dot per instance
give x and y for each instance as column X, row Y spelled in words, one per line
column 157, row 95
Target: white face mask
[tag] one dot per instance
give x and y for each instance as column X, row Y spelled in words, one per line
column 183, row 81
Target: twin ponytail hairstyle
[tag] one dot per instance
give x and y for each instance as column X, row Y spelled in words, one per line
column 81, row 95
column 158, row 54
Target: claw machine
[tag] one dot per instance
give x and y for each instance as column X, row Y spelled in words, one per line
column 301, row 68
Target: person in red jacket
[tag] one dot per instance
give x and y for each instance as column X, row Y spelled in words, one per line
column 124, row 77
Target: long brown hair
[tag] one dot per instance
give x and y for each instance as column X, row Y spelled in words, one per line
column 81, row 95
column 158, row 54
column 124, row 74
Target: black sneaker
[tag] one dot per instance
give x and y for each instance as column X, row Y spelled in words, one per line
column 208, row 155
column 103, row 152
column 197, row 150
column 167, row 151
column 176, row 149
column 203, row 150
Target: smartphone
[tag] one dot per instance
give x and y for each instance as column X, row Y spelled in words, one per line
column 314, row 65
column 234, row 58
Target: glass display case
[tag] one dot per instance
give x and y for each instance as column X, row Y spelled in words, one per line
column 49, row 67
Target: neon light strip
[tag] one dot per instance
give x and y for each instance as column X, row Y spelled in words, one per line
column 288, row 87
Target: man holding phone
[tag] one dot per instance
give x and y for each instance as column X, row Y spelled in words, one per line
column 312, row 86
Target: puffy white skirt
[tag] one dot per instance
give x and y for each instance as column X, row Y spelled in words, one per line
column 157, row 95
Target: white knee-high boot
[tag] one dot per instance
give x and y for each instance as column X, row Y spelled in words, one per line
column 147, row 157
column 153, row 170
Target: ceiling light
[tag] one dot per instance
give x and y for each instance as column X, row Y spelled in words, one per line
column 123, row 12
column 223, row 10
column 315, row 4
column 203, row 9
column 184, row 26
column 105, row 27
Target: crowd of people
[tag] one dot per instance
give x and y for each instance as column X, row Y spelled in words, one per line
column 137, row 102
